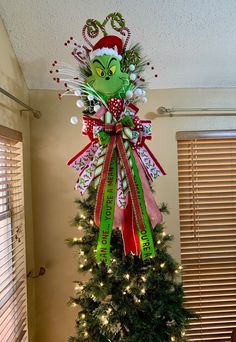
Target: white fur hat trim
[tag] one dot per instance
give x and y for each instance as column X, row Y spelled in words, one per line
column 105, row 51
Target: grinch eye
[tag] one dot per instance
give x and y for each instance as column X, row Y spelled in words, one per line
column 112, row 70
column 100, row 72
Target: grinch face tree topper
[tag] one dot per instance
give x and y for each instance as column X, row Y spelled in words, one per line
column 117, row 161
column 106, row 69
column 107, row 78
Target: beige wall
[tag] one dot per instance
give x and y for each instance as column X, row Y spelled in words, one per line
column 54, row 141
column 12, row 80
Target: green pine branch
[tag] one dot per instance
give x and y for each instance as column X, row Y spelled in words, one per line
column 131, row 300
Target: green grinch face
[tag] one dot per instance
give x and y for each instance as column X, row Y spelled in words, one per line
column 107, row 78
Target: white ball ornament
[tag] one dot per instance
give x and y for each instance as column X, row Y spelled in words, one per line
column 90, row 97
column 77, row 92
column 129, row 94
column 74, row 120
column 80, row 103
column 144, row 99
column 143, row 92
column 138, row 92
column 133, row 77
column 132, row 67
column 96, row 108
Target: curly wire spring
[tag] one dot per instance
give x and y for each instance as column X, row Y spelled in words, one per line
column 91, row 28
column 116, row 18
column 123, row 30
column 85, row 38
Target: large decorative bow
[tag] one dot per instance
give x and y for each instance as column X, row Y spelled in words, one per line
column 118, row 161
column 123, row 126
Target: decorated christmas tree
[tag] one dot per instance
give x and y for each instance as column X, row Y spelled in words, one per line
column 131, row 299
column 132, row 294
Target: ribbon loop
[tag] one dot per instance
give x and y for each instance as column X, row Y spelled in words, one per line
column 118, row 127
column 123, row 126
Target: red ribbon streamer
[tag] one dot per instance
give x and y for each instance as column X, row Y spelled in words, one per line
column 116, row 141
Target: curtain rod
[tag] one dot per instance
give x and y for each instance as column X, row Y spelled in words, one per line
column 36, row 113
column 178, row 112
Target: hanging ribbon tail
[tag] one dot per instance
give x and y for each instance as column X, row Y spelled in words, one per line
column 118, row 216
column 153, row 211
column 84, row 157
column 105, row 204
column 150, row 164
column 137, row 198
column 129, row 231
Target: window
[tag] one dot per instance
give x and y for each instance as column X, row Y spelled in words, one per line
column 13, row 312
column 207, row 198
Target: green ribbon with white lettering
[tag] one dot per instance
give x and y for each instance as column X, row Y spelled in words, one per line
column 145, row 236
column 107, row 214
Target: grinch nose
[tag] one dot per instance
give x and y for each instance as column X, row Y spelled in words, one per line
column 107, row 78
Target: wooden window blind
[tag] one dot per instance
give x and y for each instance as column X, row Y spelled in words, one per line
column 13, row 297
column 207, row 199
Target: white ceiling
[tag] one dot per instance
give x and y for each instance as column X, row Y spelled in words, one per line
column 192, row 43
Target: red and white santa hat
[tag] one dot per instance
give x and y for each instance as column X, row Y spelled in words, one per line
column 108, row 45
